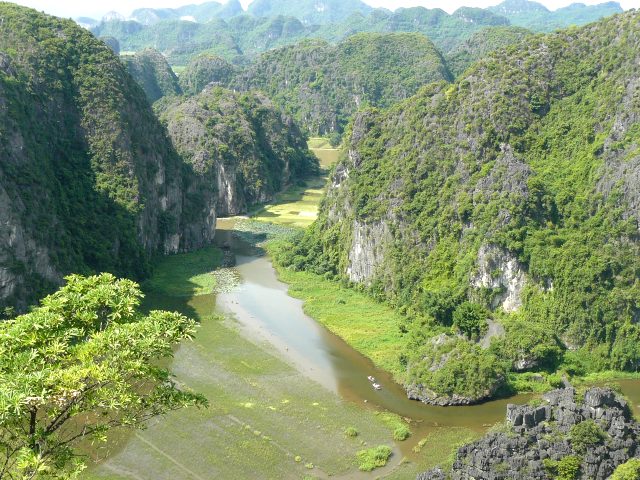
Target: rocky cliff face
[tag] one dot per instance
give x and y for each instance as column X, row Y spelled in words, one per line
column 500, row 272
column 588, row 438
column 88, row 179
column 367, row 251
column 242, row 149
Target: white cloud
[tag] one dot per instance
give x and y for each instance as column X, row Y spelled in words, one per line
column 76, row 8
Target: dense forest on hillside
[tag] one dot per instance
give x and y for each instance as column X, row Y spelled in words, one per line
column 151, row 71
column 95, row 184
column 92, row 183
column 481, row 44
column 322, row 85
column 508, row 197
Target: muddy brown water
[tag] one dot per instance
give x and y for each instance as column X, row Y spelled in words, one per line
column 265, row 312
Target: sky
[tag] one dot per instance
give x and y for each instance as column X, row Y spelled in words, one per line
column 96, row 9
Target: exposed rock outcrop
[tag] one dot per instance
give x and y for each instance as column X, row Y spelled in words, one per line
column 536, row 437
column 500, row 271
column 367, row 250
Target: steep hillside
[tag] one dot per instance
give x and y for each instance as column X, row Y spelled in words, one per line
column 323, row 85
column 88, row 179
column 310, row 12
column 507, row 205
column 240, row 144
column 537, row 17
column 481, row 44
column 152, row 72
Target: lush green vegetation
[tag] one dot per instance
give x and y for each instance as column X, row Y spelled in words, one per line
column 79, row 365
column 481, row 44
column 186, row 275
column 470, row 319
column 322, row 85
column 627, row 471
column 568, row 468
column 586, row 434
column 241, row 146
column 373, row 458
column 80, row 150
column 206, row 69
column 152, row 72
column 512, row 159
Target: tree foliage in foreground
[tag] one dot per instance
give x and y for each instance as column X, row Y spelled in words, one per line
column 79, row 365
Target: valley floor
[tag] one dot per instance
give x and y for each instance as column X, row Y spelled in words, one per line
column 267, row 419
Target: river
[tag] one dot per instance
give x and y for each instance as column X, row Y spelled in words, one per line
column 265, row 311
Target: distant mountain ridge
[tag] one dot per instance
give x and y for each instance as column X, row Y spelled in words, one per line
column 535, row 16
column 198, row 13
column 310, row 12
column 227, row 30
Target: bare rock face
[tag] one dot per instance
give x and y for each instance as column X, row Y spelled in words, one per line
column 367, row 250
column 535, row 434
column 499, row 270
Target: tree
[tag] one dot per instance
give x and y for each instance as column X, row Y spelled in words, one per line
column 79, row 365
column 470, row 319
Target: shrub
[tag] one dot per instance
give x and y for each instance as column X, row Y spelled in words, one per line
column 470, row 319
column 401, row 433
column 567, row 468
column 586, row 434
column 627, row 471
column 373, row 458
column 351, row 432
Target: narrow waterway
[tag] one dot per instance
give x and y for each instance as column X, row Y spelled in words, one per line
column 264, row 311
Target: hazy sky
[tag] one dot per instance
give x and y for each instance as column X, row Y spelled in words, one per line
column 96, row 9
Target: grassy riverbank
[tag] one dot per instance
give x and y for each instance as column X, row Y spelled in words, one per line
column 370, row 327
